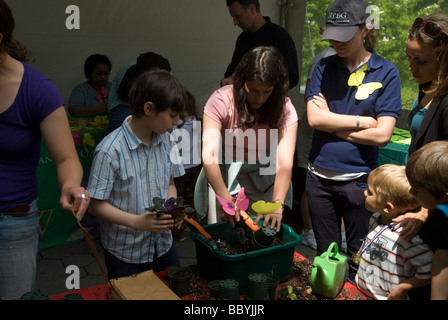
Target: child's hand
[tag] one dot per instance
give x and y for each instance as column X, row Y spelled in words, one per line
column 178, row 223
column 398, row 293
column 225, row 217
column 150, row 223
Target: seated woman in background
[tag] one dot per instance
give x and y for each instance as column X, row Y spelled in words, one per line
column 90, row 98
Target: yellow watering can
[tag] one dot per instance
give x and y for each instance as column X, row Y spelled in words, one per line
column 328, row 272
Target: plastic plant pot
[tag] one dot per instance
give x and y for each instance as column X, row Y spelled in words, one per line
column 230, row 290
column 264, row 237
column 288, row 293
column 34, row 296
column 214, row 264
column 180, row 280
column 215, row 288
column 257, row 288
column 73, row 296
column 272, row 282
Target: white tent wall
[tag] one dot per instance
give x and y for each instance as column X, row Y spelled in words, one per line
column 197, row 36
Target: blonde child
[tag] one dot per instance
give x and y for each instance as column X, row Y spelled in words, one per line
column 389, row 266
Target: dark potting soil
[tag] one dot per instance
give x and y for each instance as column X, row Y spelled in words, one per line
column 245, row 246
column 182, row 273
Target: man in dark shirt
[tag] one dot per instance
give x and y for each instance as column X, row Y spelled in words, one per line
column 259, row 31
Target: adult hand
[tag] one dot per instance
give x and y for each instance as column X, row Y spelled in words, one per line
column 225, row 217
column 411, row 223
column 274, row 218
column 77, row 199
column 321, row 102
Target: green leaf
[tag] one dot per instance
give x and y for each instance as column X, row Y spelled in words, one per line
column 159, row 207
column 157, row 200
column 291, row 294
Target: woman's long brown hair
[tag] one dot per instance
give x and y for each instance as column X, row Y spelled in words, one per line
column 264, row 64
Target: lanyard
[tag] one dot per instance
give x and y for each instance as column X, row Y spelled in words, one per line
column 365, row 245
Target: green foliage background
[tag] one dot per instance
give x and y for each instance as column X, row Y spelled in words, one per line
column 395, row 19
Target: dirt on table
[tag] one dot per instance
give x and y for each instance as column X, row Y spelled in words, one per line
column 301, row 279
column 300, row 273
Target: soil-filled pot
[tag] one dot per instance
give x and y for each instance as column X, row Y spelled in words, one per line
column 272, row 283
column 180, row 280
column 264, row 237
column 257, row 288
column 288, row 293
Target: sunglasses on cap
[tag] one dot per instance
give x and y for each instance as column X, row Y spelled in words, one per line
column 431, row 29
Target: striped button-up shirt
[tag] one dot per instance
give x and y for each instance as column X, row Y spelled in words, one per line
column 128, row 174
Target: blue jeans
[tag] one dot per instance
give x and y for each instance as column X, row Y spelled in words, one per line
column 116, row 117
column 331, row 201
column 19, row 239
column 117, row 268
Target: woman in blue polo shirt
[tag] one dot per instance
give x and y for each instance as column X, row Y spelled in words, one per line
column 353, row 100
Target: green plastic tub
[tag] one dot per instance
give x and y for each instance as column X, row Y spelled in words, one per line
column 213, row 264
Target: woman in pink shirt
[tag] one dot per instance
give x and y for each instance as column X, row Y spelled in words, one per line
column 244, row 119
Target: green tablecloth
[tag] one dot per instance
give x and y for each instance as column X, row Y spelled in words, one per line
column 58, row 225
column 395, row 152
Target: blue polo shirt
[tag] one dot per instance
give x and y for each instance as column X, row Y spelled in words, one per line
column 330, row 77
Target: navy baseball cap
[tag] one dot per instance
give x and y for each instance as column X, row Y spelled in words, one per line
column 343, row 19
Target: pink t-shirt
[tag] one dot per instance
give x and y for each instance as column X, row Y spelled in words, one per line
column 253, row 142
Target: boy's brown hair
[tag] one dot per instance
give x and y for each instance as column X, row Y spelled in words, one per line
column 160, row 88
column 390, row 183
column 427, row 168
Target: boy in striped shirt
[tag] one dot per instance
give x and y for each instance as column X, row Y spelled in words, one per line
column 390, row 266
column 132, row 165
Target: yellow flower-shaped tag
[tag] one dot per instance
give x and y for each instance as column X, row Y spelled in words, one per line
column 262, row 207
column 88, row 141
column 100, row 121
column 364, row 89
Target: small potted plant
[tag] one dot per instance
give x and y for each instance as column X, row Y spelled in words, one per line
column 288, row 293
column 173, row 206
